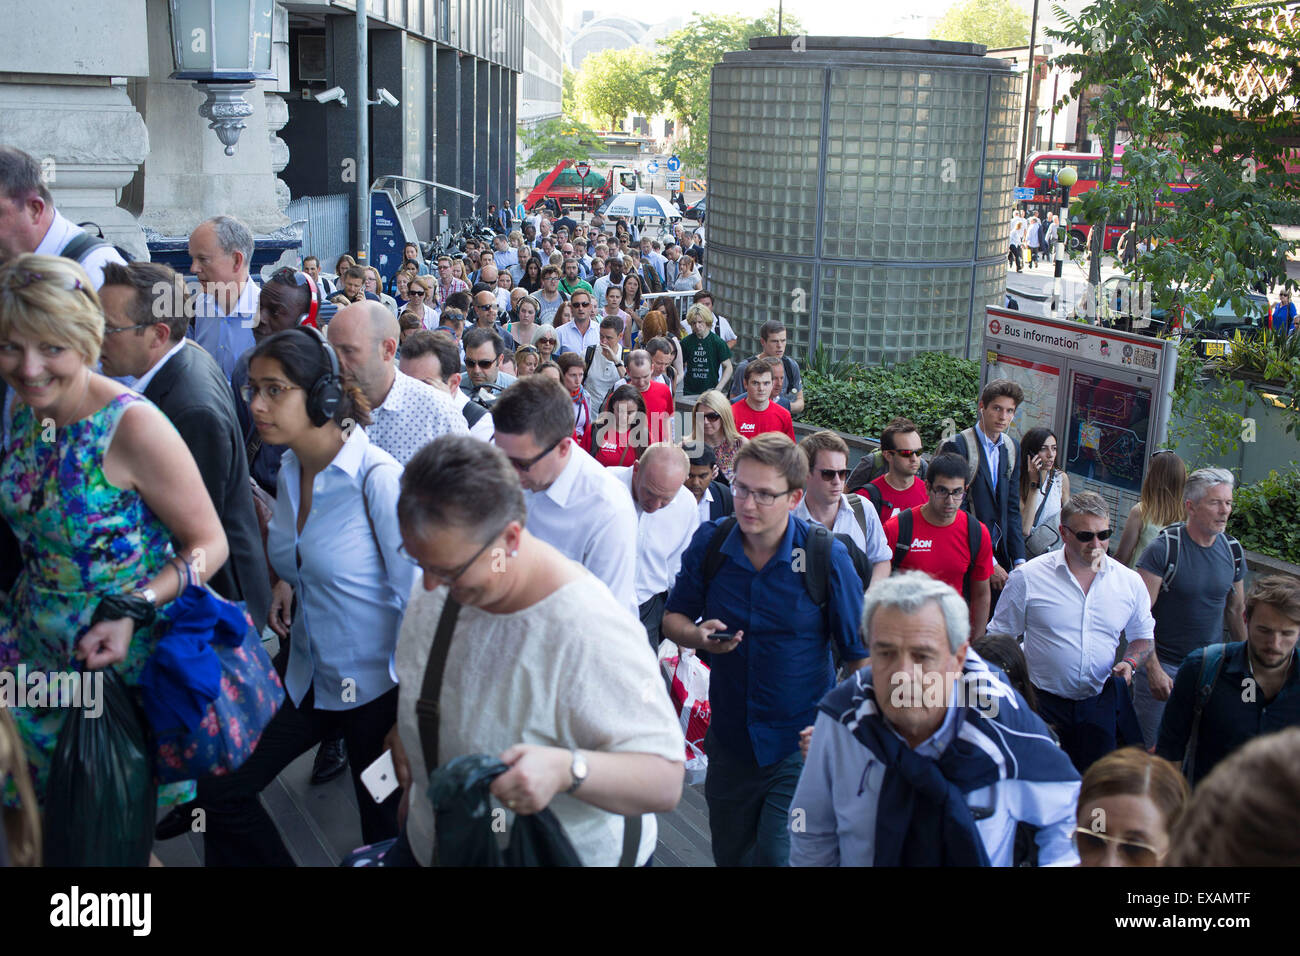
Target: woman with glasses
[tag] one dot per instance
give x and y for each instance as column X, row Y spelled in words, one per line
column 1129, row 803
column 547, row 341
column 1042, row 489
column 420, row 291
column 715, row 425
column 336, row 498
column 96, row 485
column 527, row 359
column 525, row 326
column 375, row 285
column 1159, row 505
column 532, row 279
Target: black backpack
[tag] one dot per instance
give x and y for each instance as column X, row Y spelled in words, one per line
column 974, row 534
column 85, row 243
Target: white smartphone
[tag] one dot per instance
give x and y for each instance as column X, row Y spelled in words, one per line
column 380, row 777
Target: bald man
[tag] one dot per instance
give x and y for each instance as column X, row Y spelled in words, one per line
column 667, row 516
column 406, row 414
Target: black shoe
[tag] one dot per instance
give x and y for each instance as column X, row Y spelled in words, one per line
column 175, row 823
column 331, row 760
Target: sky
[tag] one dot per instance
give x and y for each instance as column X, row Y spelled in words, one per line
column 828, row 17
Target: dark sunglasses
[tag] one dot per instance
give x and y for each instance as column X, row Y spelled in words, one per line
column 523, row 464
column 1089, row 535
column 905, row 452
column 480, row 363
column 712, row 416
column 415, row 291
column 830, row 474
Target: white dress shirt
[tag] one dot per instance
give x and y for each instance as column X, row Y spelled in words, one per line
column 412, row 415
column 569, row 338
column 1070, row 638
column 704, row 505
column 874, row 543
column 661, row 537
column 839, row 790
column 61, row 232
column 226, row 336
column 351, row 593
column 483, row 428
column 587, row 515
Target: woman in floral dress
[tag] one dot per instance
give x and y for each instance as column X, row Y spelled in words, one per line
column 96, row 485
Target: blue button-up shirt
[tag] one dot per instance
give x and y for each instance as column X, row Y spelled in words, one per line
column 226, row 337
column 350, row 596
column 992, row 454
column 1235, row 713
column 767, row 690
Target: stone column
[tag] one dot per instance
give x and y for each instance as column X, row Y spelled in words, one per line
column 63, row 99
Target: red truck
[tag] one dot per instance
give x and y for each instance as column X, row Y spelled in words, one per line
column 565, row 187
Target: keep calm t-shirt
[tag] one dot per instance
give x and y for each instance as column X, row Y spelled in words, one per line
column 703, row 358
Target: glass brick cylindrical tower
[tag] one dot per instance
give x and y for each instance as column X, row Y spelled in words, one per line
column 860, row 192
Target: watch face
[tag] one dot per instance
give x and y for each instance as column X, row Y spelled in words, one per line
column 579, row 767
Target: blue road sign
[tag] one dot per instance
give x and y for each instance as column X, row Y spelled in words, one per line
column 653, row 167
column 1022, row 193
column 674, row 164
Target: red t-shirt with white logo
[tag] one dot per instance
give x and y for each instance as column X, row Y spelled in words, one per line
column 913, row 497
column 659, row 406
column 774, row 418
column 943, row 553
column 614, row 450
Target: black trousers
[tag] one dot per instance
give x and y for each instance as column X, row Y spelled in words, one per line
column 1013, row 257
column 1088, row 729
column 239, row 830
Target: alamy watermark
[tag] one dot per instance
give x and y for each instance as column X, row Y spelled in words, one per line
column 21, row 687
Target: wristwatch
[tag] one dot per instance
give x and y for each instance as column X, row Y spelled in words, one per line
column 149, row 594
column 578, row 770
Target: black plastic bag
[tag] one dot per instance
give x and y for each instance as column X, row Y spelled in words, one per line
column 101, row 800
column 464, row 837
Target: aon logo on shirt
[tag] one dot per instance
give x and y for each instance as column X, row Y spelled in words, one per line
column 748, row 428
column 922, row 544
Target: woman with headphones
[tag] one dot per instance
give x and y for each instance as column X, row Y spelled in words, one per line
column 334, row 542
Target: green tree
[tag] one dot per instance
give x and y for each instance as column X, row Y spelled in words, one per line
column 1203, row 92
column 551, row 142
column 995, row 23
column 614, row 83
column 568, row 93
column 685, row 72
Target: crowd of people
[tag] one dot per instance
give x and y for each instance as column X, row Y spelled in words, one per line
column 468, row 507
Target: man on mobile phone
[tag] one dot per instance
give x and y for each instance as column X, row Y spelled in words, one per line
column 744, row 577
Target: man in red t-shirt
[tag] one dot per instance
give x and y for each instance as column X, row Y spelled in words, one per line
column 756, row 413
column 658, row 396
column 900, row 444
column 940, row 544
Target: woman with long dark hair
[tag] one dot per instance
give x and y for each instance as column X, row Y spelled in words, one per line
column 1159, row 505
column 532, row 278
column 1043, row 489
column 615, row 441
column 334, row 542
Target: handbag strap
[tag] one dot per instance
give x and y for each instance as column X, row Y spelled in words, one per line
column 631, row 840
column 365, row 501
column 426, row 705
column 1042, row 491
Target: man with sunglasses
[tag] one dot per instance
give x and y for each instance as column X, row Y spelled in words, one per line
column 483, row 351
column 1072, row 607
column 937, row 538
column 770, row 646
column 447, row 283
column 583, row 332
column 900, row 487
column 574, row 503
column 825, row 503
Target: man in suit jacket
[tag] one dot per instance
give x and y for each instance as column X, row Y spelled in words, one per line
column 144, row 336
column 994, row 493
column 713, row 496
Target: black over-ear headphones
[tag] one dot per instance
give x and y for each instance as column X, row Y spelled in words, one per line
column 327, row 391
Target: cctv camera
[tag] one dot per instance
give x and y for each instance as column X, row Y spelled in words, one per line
column 333, row 94
column 388, row 99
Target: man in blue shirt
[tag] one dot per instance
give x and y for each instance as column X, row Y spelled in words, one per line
column 1256, row 690
column 774, row 663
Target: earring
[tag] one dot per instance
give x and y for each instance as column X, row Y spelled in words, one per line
column 514, row 553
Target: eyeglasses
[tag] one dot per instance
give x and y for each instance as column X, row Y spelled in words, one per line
column 449, row 577
column 113, row 330
column 762, row 497
column 1089, row 535
column 415, row 291
column 273, row 392
column 481, row 363
column 523, row 464
column 547, row 341
column 956, row 494
column 830, row 474
column 1093, row 845
column 484, row 308
column 904, row 452
column 712, row 416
